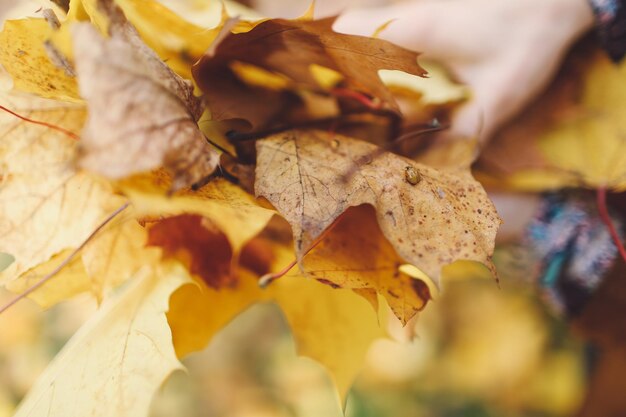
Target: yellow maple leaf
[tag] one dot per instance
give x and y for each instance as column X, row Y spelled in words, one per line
column 234, row 211
column 333, row 326
column 115, row 363
column 177, row 41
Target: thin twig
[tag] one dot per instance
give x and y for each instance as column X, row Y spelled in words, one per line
column 65, row 262
column 40, row 123
column 359, row 97
column 606, row 218
column 268, row 278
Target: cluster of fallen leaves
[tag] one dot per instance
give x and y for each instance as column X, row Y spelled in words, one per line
column 165, row 168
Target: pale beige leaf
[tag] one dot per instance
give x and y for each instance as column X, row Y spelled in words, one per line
column 432, row 218
column 141, row 114
column 115, row 363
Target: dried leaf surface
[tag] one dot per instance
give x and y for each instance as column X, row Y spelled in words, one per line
column 431, row 218
column 116, row 362
column 290, row 48
column 356, row 255
column 141, row 114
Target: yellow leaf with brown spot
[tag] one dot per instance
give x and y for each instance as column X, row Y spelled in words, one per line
column 25, row 54
column 233, row 210
column 333, row 326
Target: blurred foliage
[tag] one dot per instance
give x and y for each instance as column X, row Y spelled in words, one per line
column 480, row 350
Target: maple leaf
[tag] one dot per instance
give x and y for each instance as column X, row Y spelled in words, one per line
column 142, row 135
column 234, row 211
column 125, row 375
column 431, row 218
column 289, row 49
column 334, row 261
column 176, row 40
column 141, row 114
column 333, row 326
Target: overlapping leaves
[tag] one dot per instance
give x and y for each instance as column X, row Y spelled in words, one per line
column 140, row 151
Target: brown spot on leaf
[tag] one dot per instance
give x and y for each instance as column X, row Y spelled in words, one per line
column 198, row 244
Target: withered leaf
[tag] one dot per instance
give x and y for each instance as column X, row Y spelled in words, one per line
column 290, row 48
column 356, row 255
column 141, row 114
column 311, row 177
column 196, row 242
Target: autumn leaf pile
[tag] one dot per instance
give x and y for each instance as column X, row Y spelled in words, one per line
column 166, row 168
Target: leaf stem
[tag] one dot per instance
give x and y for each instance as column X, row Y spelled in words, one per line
column 606, row 218
column 355, row 95
column 66, row 261
column 268, row 278
column 40, row 123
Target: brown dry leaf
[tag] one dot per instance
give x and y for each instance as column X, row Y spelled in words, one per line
column 431, row 218
column 289, row 48
column 198, row 244
column 356, row 255
column 141, row 114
